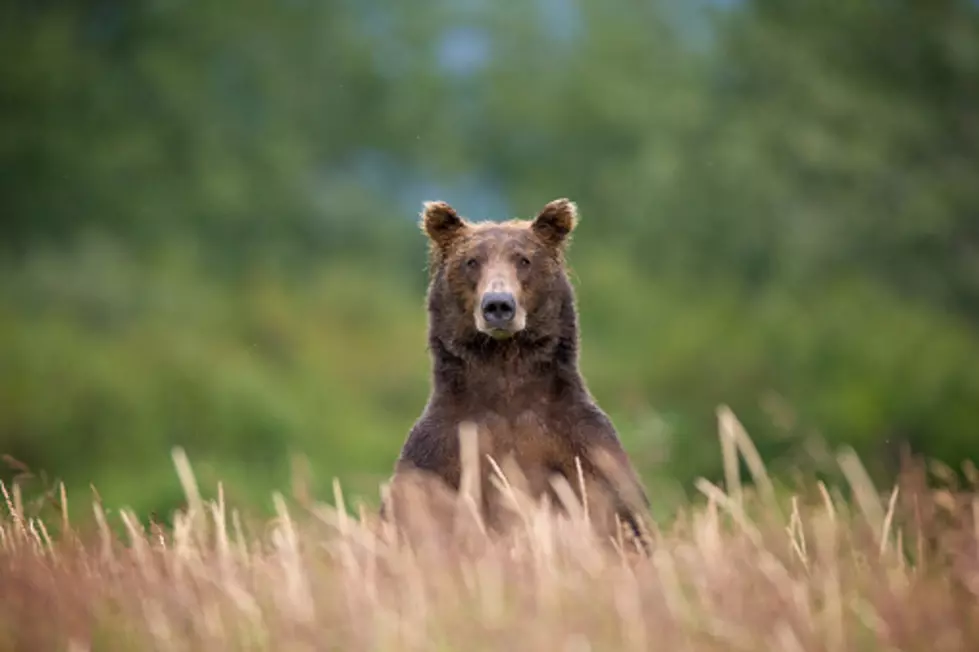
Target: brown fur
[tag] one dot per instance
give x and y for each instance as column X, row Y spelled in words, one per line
column 525, row 393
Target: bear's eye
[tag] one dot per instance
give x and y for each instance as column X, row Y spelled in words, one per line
column 471, row 263
column 523, row 262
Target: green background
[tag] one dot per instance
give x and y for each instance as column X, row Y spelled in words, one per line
column 208, row 228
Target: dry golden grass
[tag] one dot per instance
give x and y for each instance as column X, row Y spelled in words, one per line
column 743, row 569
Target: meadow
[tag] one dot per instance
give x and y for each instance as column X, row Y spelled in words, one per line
column 745, row 566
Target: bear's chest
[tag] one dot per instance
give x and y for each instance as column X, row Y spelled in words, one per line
column 514, row 431
column 526, row 446
column 527, row 437
column 509, row 390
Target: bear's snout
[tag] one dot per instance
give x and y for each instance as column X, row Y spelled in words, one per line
column 499, row 309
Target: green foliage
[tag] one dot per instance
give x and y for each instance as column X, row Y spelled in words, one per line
column 111, row 362
column 207, row 238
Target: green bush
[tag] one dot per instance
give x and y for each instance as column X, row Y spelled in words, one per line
column 109, row 362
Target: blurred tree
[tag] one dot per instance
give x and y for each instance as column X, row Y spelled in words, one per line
column 163, row 120
column 835, row 168
column 842, row 143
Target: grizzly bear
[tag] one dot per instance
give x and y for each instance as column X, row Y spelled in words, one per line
column 503, row 342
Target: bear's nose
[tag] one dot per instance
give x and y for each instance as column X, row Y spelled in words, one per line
column 498, row 308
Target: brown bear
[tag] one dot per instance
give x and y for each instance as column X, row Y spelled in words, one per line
column 503, row 340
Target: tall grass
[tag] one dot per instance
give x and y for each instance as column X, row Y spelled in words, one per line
column 745, row 568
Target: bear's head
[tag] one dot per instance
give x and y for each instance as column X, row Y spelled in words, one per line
column 502, row 283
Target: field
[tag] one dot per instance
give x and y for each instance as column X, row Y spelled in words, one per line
column 747, row 567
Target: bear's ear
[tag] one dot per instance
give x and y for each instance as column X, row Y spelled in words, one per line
column 556, row 221
column 441, row 223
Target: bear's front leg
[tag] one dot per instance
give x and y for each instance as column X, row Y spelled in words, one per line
column 604, row 459
column 428, row 468
column 432, row 447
